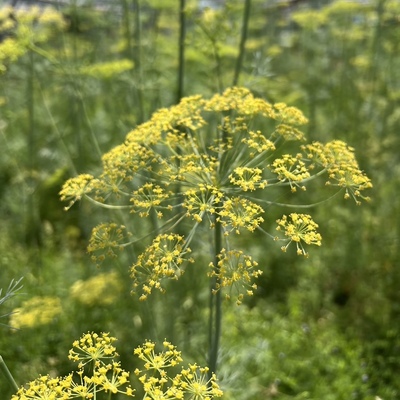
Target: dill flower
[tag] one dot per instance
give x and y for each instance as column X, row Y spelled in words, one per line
column 105, row 376
column 338, row 160
column 202, row 202
column 76, row 188
column 93, row 347
column 191, row 383
column 209, row 163
column 299, row 228
column 43, row 388
column 247, row 178
column 236, row 272
column 148, row 197
column 102, row 289
column 29, row 27
column 237, row 213
column 291, row 169
column 196, row 384
column 169, row 357
column 107, row 70
column 82, row 388
column 162, row 259
column 36, row 311
column 110, row 377
column 106, row 240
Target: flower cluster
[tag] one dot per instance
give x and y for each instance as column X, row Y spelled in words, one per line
column 192, row 382
column 35, row 312
column 299, row 228
column 93, row 347
column 28, row 27
column 291, row 169
column 77, row 187
column 235, row 271
column 106, row 240
column 102, row 289
column 338, row 159
column 162, row 259
column 107, row 70
column 106, row 374
column 203, row 162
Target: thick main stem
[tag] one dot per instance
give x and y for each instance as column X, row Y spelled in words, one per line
column 181, row 56
column 243, row 39
column 215, row 317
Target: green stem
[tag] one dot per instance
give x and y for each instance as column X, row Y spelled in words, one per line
column 7, row 373
column 136, row 55
column 216, row 55
column 181, row 56
column 89, row 124
column 33, row 234
column 215, row 316
column 245, row 25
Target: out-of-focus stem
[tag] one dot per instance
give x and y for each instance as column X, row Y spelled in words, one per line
column 243, row 39
column 7, row 373
column 181, row 56
column 215, row 316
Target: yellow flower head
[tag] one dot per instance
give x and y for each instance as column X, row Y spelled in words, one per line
column 107, row 70
column 169, row 357
column 291, row 169
column 209, row 161
column 338, row 159
column 106, row 241
column 102, row 289
column 299, row 228
column 93, row 347
column 75, row 188
column 164, row 258
column 235, row 271
column 158, row 382
column 43, row 388
column 238, row 213
column 248, row 178
column 195, row 382
column 29, row 27
column 35, row 312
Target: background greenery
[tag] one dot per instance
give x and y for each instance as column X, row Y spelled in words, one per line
column 326, row 327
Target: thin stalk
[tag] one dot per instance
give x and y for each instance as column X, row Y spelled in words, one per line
column 179, row 94
column 216, row 55
column 243, row 39
column 215, row 301
column 32, row 226
column 135, row 52
column 89, row 124
column 215, row 316
column 218, row 66
column 181, row 55
column 31, row 115
column 58, row 133
column 8, row 375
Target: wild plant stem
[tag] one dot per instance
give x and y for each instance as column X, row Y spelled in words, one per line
column 33, row 236
column 7, row 373
column 215, row 316
column 243, row 39
column 136, row 54
column 181, row 56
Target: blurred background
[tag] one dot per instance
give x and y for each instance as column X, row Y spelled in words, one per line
column 77, row 77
